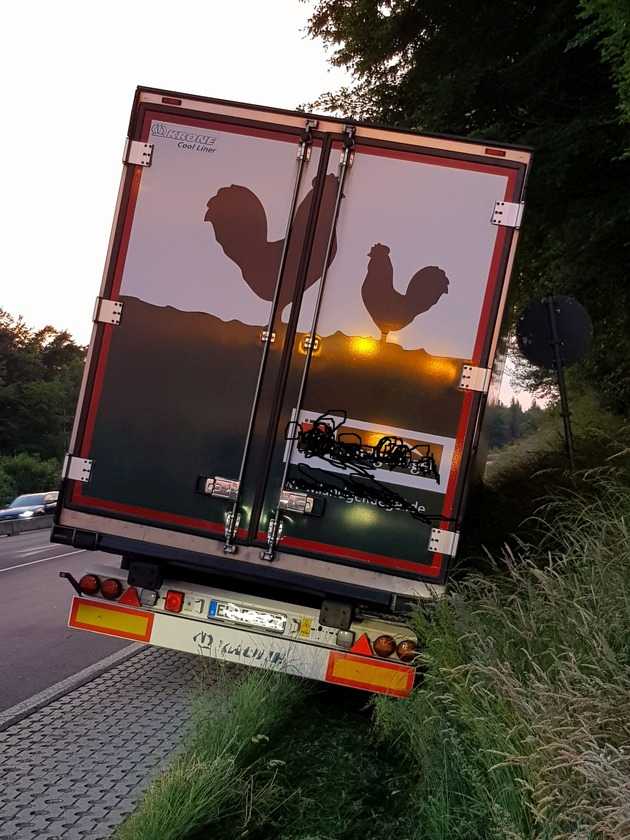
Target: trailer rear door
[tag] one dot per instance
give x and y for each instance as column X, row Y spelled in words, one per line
column 410, row 302
column 264, row 271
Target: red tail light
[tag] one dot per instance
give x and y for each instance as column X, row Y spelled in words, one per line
column 111, row 589
column 384, row 646
column 174, row 601
column 89, row 584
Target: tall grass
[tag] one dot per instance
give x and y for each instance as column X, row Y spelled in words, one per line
column 222, row 774
column 521, row 728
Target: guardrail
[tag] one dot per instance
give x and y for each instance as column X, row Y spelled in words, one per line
column 20, row 526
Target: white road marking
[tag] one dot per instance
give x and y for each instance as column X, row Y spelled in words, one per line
column 26, row 552
column 43, row 560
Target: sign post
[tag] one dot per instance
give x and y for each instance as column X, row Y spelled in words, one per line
column 554, row 333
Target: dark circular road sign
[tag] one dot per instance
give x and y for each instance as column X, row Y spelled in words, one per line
column 535, row 331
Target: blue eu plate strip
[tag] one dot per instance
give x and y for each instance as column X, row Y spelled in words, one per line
column 213, row 609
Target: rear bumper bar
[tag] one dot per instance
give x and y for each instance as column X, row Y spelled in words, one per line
column 245, row 647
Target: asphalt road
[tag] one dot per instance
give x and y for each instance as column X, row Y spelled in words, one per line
column 36, row 647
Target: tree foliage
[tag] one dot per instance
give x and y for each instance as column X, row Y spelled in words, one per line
column 24, row 473
column 608, row 26
column 40, row 375
column 530, row 72
column 507, row 423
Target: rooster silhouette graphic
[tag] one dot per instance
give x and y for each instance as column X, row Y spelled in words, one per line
column 390, row 310
column 240, row 227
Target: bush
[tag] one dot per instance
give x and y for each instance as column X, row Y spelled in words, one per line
column 26, row 473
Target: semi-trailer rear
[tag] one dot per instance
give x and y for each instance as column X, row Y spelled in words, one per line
column 292, row 349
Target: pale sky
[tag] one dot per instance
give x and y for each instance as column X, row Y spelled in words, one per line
column 70, row 70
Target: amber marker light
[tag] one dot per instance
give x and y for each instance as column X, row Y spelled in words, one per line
column 384, row 646
column 361, row 346
column 407, row 650
column 441, row 369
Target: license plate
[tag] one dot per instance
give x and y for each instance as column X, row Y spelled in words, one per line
column 274, row 622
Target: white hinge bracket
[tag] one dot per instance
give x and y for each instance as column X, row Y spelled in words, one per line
column 138, row 153
column 222, row 488
column 475, row 379
column 107, row 311
column 443, row 542
column 508, row 213
column 79, row 469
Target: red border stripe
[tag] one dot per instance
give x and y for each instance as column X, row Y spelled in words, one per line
column 340, row 551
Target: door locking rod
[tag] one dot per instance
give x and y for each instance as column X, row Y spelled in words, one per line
column 302, row 160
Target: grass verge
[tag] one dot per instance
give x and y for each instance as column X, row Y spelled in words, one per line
column 223, row 773
column 522, row 726
column 520, row 729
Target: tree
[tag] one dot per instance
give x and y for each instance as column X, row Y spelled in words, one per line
column 515, row 419
column 506, row 423
column 40, row 375
column 527, row 72
column 496, row 423
column 25, row 473
column 608, row 26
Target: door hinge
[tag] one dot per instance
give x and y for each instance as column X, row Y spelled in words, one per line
column 274, row 535
column 304, row 149
column 347, row 157
column 222, row 488
column 475, row 379
column 231, row 527
column 107, row 311
column 508, row 213
column 296, row 502
column 267, row 336
column 138, row 153
column 79, row 469
column 443, row 542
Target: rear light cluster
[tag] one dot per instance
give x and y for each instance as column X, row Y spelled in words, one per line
column 385, row 646
column 112, row 589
